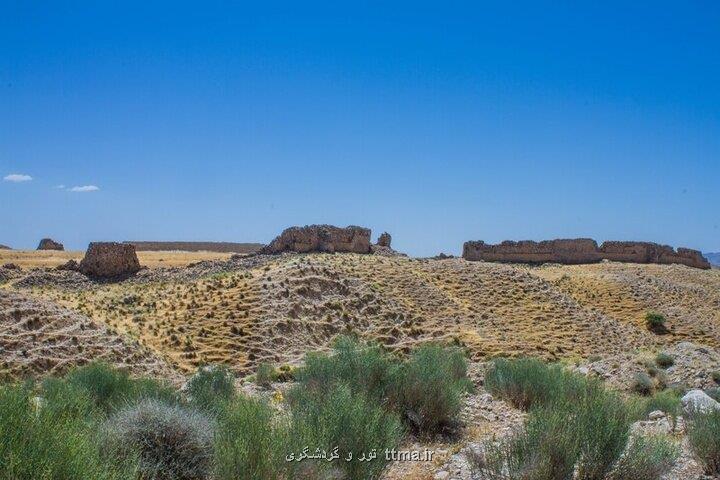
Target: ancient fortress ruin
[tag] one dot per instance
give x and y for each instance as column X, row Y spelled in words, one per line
column 320, row 238
column 581, row 250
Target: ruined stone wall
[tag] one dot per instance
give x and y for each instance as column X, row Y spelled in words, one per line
column 109, row 259
column 582, row 250
column 320, row 238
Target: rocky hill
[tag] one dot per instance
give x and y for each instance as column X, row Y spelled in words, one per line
column 276, row 307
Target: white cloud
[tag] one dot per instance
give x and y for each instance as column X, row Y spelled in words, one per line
column 85, row 188
column 59, row 187
column 17, row 178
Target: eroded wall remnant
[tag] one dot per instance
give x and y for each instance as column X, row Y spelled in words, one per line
column 581, row 250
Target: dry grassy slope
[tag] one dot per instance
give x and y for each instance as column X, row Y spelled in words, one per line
column 291, row 304
column 689, row 298
column 41, row 338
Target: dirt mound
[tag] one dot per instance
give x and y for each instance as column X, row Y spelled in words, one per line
column 109, row 259
column 580, row 251
column 222, row 247
column 50, row 244
column 321, row 238
column 41, row 338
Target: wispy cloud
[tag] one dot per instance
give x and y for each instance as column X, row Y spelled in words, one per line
column 59, row 187
column 17, row 178
column 85, row 188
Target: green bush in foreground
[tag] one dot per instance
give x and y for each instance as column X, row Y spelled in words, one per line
column 351, row 422
column 249, row 443
column 704, row 436
column 428, row 388
column 39, row 443
column 170, row 441
column 210, row 387
column 647, row 458
column 528, row 382
column 109, row 388
column 364, row 367
column 576, row 427
column 642, row 384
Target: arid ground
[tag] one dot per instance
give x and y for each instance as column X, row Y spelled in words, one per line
column 190, row 309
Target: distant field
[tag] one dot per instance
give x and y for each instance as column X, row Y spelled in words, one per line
column 53, row 258
column 220, row 247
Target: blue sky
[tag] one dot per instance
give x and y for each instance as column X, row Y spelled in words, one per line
column 439, row 122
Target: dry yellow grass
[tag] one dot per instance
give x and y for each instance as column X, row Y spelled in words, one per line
column 289, row 305
column 53, row 258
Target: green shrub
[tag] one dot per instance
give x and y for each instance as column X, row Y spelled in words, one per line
column 365, row 367
column 351, row 422
column 574, row 423
column 647, row 458
column 249, row 443
column 655, row 322
column 528, row 382
column 265, row 374
column 664, row 360
column 667, row 401
column 704, row 436
column 109, row 387
column 210, row 387
column 642, row 384
column 49, row 443
column 169, row 441
column 428, row 388
column 715, row 376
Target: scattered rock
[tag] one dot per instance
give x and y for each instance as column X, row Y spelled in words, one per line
column 71, row 265
column 50, row 244
column 320, row 238
column 698, row 401
column 11, row 266
column 109, row 259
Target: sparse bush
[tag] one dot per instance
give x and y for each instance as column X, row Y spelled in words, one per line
column 249, row 443
column 642, row 384
column 39, row 442
column 664, row 360
column 264, row 374
column 647, row 458
column 351, row 422
column 428, row 388
column 716, row 376
column 169, row 441
column 704, row 436
column 210, row 387
column 655, row 322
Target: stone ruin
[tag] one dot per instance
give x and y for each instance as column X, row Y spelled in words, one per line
column 109, row 259
column 320, row 238
column 50, row 244
column 384, row 240
column 581, row 250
